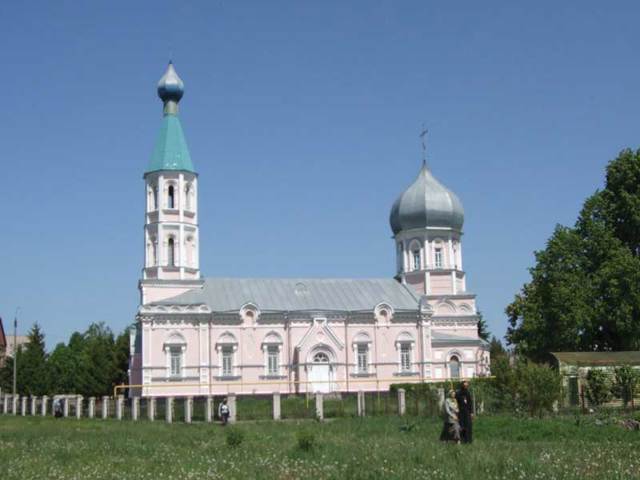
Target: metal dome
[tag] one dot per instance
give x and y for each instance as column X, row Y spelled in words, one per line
column 426, row 203
column 170, row 86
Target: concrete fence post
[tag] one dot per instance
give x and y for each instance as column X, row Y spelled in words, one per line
column 168, row 409
column 209, row 410
column 14, row 404
column 65, row 408
column 361, row 407
column 231, row 401
column 276, row 406
column 43, row 405
column 402, row 406
column 79, row 407
column 151, row 408
column 34, row 405
column 319, row 406
column 188, row 409
column 92, row 407
column 23, row 406
column 440, row 399
column 105, row 407
column 119, row 406
column 5, row 404
column 135, row 408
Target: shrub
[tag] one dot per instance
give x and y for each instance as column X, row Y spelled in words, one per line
column 598, row 387
column 625, row 382
column 234, row 437
column 538, row 387
column 306, row 440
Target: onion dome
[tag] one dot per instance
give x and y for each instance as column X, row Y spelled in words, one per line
column 171, row 151
column 170, row 86
column 426, row 204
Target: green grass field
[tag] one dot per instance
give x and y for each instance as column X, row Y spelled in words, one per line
column 344, row 448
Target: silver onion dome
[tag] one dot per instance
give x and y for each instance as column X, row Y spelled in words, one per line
column 426, row 203
column 170, row 86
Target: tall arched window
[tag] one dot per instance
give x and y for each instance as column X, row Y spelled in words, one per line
column 416, row 259
column 187, row 196
column 155, row 198
column 171, row 253
column 171, row 199
column 454, row 367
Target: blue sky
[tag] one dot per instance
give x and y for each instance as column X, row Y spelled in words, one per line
column 302, row 120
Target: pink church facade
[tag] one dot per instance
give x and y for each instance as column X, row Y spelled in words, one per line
column 209, row 336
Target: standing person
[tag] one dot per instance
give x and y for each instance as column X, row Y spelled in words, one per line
column 465, row 407
column 223, row 411
column 451, row 427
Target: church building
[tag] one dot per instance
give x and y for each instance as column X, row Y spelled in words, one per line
column 198, row 335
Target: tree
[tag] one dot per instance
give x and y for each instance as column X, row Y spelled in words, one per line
column 32, row 376
column 538, row 387
column 584, row 293
column 598, row 387
column 625, row 383
column 483, row 329
column 622, row 199
column 496, row 349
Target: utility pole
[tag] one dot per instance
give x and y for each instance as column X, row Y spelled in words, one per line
column 15, row 350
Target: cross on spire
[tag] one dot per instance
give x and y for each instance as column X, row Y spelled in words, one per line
column 423, row 136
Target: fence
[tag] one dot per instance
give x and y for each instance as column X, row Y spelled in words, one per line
column 190, row 409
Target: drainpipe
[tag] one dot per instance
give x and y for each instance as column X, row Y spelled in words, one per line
column 287, row 326
column 421, row 332
column 346, row 350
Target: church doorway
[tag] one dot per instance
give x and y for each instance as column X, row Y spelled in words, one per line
column 320, row 373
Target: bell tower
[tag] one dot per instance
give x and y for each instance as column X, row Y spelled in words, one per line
column 171, row 238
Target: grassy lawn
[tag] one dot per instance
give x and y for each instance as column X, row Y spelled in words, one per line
column 344, row 448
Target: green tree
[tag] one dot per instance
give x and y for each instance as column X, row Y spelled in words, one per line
column 622, row 199
column 496, row 349
column 625, row 383
column 32, row 378
column 598, row 387
column 483, row 328
column 584, row 293
column 538, row 387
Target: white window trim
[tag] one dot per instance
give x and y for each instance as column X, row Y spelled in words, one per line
column 265, row 351
column 167, row 351
column 234, row 349
column 356, row 356
column 411, row 344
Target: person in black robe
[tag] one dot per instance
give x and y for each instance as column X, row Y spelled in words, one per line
column 465, row 412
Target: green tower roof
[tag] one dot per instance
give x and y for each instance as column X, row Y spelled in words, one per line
column 171, row 151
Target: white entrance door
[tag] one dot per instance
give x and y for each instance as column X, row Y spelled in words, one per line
column 320, row 373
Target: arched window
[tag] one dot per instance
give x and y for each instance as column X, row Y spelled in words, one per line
column 226, row 347
column 404, row 344
column 171, row 199
column 187, row 196
column 454, row 367
column 321, row 357
column 438, row 257
column 189, row 249
column 361, row 344
column 416, row 259
column 171, row 253
column 174, row 349
column 271, row 347
column 155, row 198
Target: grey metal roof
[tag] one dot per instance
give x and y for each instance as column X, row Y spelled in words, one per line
column 598, row 358
column 426, row 203
column 298, row 294
column 447, row 338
